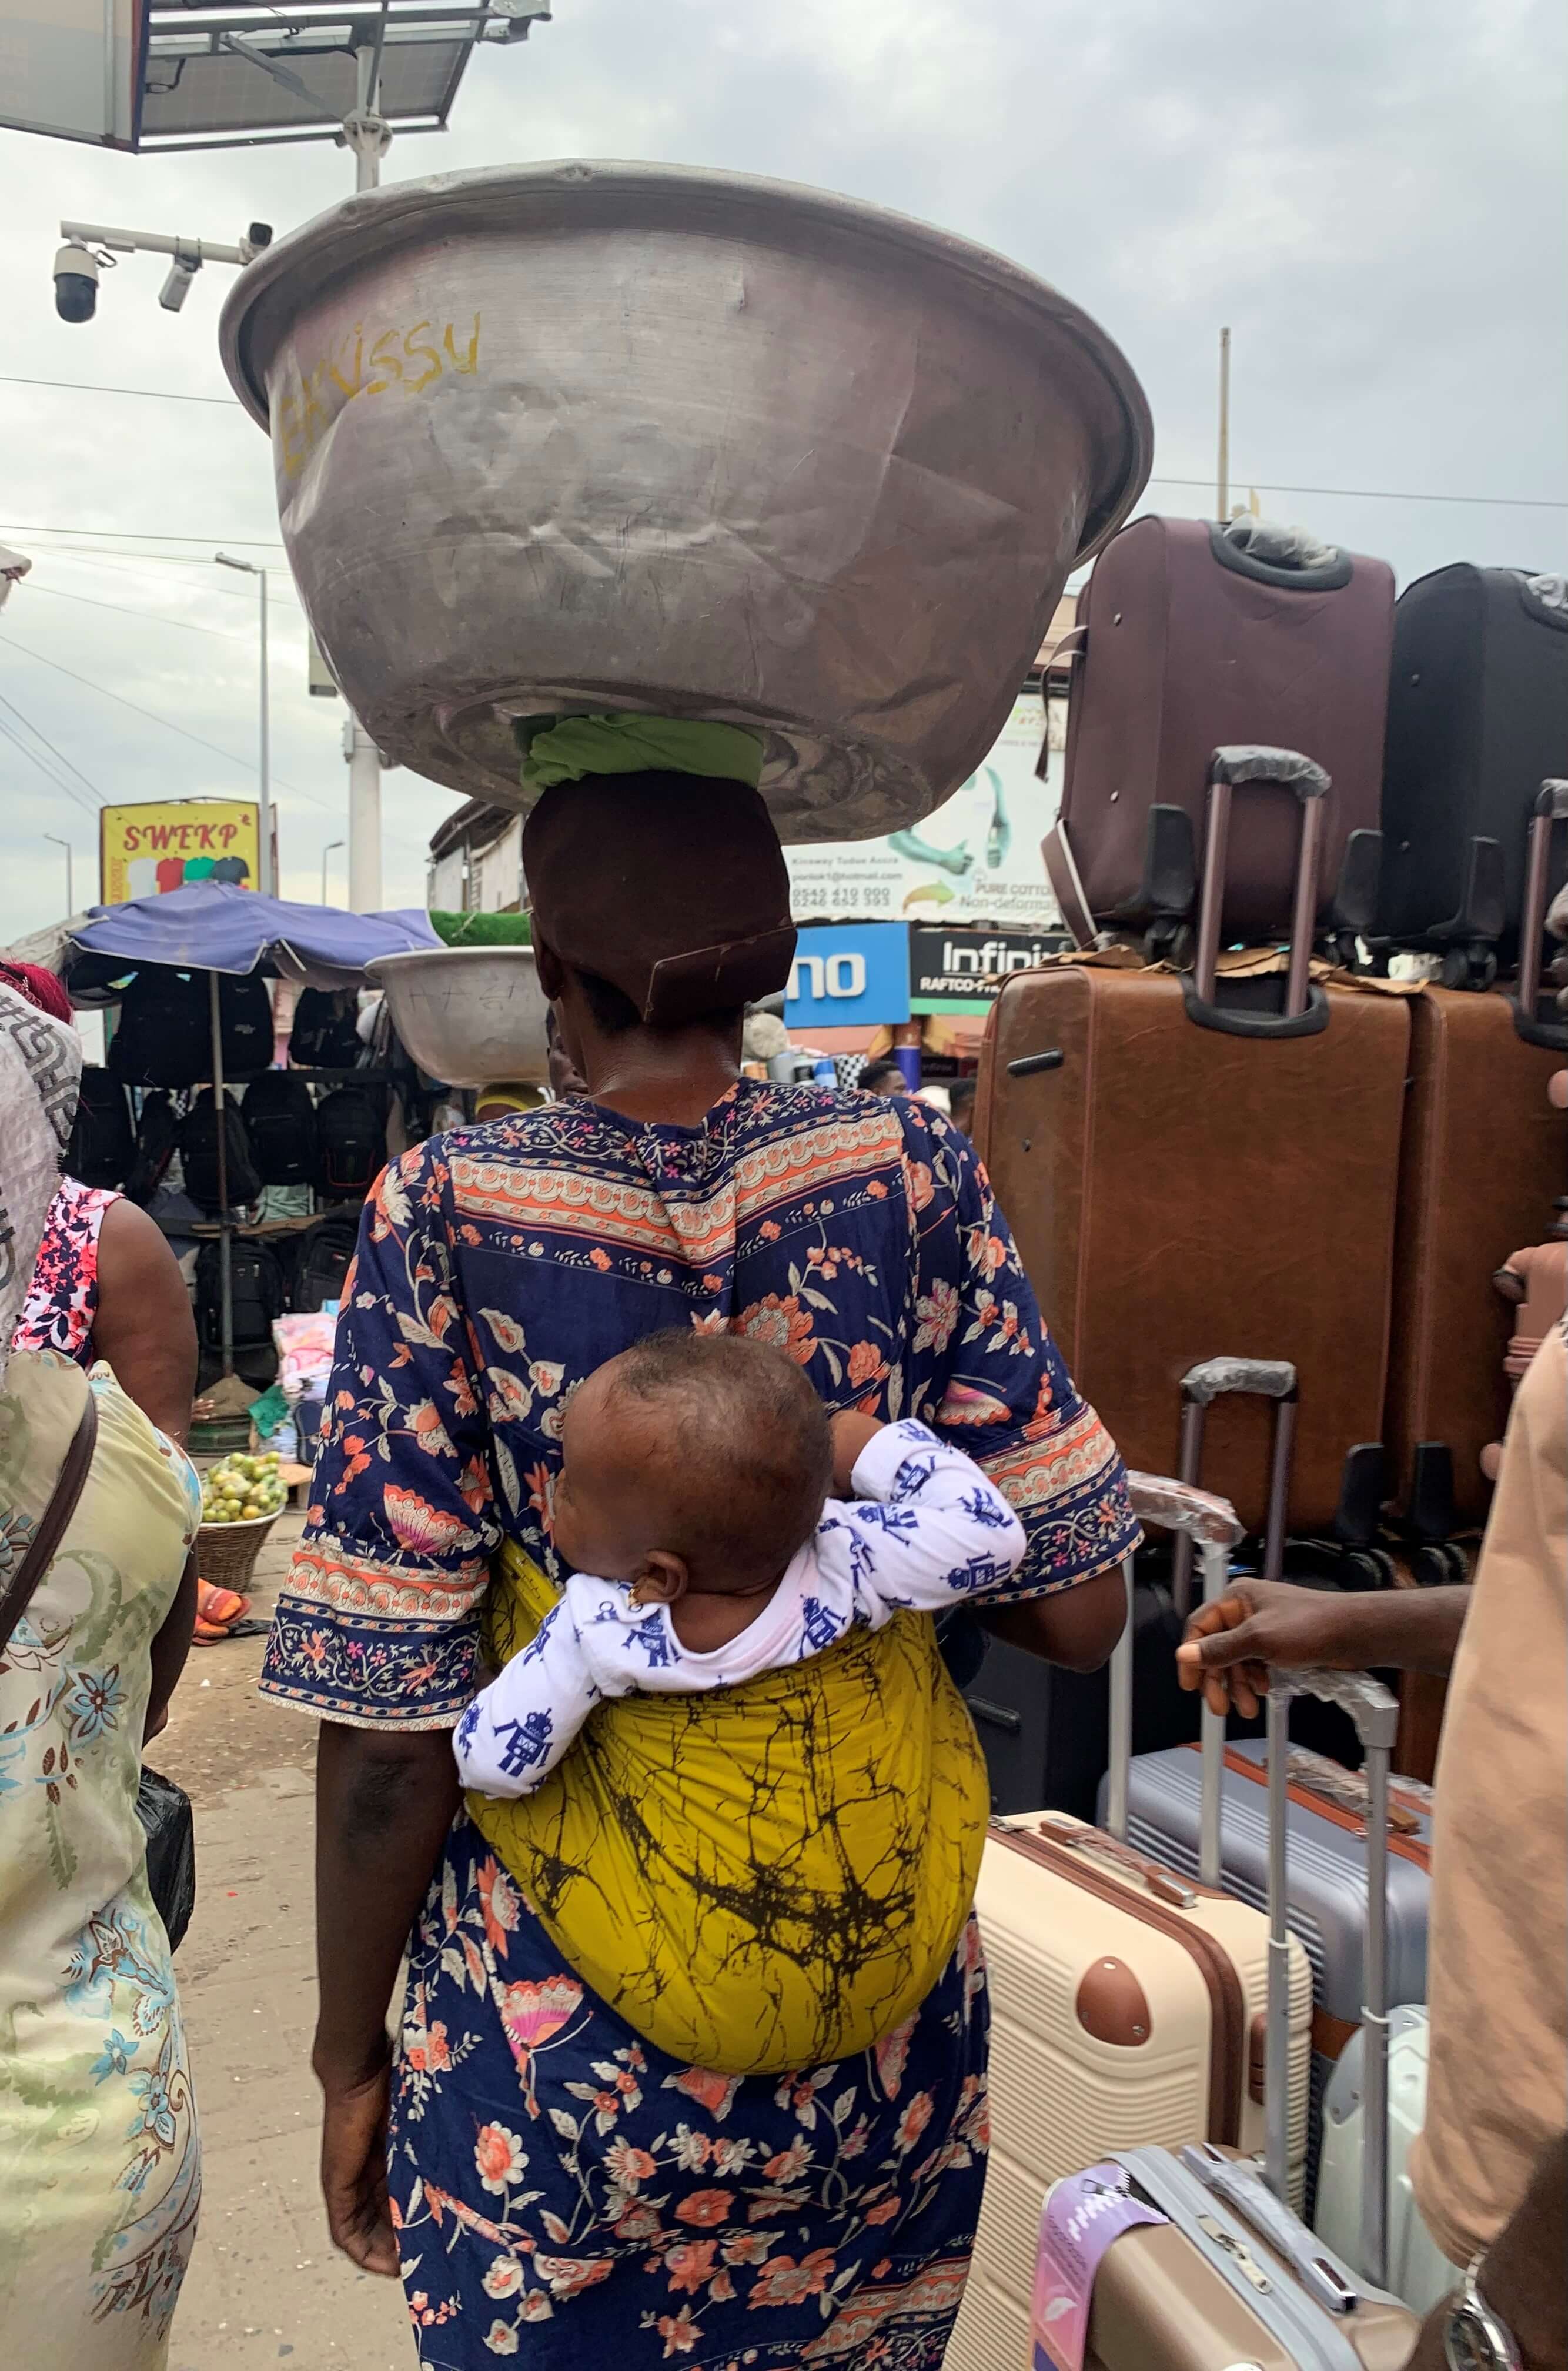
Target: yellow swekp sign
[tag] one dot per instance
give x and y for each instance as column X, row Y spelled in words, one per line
column 167, row 844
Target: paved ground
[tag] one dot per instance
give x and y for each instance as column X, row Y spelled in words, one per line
column 264, row 2284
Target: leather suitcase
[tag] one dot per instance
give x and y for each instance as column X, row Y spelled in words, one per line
column 1176, row 1191
column 1484, row 1158
column 1127, row 2009
column 1188, row 642
column 1233, row 2276
column 1478, row 719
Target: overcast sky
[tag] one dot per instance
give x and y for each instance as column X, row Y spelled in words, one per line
column 1369, row 192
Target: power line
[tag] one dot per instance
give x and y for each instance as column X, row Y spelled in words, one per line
column 168, row 724
column 88, row 386
column 144, row 617
column 149, row 535
column 50, row 774
column 1378, row 493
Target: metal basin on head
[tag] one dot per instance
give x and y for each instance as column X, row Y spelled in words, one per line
column 610, row 435
column 472, row 1016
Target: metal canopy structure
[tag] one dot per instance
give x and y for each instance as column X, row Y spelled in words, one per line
column 254, row 75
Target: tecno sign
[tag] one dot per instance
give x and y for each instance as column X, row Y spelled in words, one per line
column 821, row 976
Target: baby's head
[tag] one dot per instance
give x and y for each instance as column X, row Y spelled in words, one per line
column 692, row 1461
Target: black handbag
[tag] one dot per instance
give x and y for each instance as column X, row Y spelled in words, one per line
column 163, row 1808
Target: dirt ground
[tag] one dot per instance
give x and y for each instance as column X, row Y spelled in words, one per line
column 264, row 2284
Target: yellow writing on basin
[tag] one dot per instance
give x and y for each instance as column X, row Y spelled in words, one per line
column 406, row 360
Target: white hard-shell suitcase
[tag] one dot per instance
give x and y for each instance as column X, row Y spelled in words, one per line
column 1418, row 2269
column 1128, row 2006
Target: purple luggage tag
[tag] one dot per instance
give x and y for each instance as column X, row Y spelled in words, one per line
column 1083, row 2214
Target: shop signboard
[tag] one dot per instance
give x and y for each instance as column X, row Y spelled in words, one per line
column 962, row 971
column 848, row 976
column 164, row 844
column 975, row 860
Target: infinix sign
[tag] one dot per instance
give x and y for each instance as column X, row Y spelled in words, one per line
column 962, row 971
column 825, row 976
column 849, row 975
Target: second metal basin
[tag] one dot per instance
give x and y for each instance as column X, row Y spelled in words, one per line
column 626, row 436
column 472, row 1016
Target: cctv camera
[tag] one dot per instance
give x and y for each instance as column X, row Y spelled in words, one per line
column 75, row 282
column 260, row 234
column 176, row 287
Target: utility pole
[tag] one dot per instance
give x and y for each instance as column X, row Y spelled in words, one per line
column 325, row 854
column 369, row 135
column 70, row 882
column 267, row 884
column 1224, row 470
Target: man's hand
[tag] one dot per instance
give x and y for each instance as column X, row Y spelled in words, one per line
column 1230, row 1644
column 851, row 1436
column 353, row 2168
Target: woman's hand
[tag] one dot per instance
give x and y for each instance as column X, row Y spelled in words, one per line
column 852, row 1434
column 353, row 2167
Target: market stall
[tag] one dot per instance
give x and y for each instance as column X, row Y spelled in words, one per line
column 223, row 931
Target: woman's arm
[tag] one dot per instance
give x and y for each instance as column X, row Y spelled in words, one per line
column 169, row 1650
column 384, row 1800
column 143, row 1327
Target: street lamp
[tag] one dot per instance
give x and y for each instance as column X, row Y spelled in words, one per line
column 70, row 883
column 249, row 567
column 325, row 854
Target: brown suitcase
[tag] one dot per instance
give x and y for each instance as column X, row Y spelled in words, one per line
column 1484, row 1158
column 1188, row 641
column 1176, row 1192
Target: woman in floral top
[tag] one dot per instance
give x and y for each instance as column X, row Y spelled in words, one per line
column 556, row 2187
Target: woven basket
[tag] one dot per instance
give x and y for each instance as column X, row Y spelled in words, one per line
column 226, row 1553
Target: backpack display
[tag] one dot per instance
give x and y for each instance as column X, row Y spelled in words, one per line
column 164, row 1035
column 354, row 1142
column 280, row 1117
column 158, row 1140
column 324, row 1034
column 199, row 1153
column 324, row 1261
column 102, row 1146
column 245, row 1010
column 256, row 1292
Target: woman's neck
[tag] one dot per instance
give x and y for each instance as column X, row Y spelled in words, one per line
column 676, row 1075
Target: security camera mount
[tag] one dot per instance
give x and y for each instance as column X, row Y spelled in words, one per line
column 99, row 244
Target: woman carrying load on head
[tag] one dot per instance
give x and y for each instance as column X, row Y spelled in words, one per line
column 565, row 2177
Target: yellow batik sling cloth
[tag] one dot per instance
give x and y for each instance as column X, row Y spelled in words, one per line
column 764, row 1877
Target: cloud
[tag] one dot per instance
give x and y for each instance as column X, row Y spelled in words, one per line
column 1368, row 194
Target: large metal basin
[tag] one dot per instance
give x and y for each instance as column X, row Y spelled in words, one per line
column 472, row 1016
column 624, row 435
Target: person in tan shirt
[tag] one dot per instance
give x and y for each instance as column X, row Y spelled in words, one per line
column 1488, row 2169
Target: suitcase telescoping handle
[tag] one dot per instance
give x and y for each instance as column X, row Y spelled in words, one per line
column 1211, row 1524
column 1306, row 1008
column 1550, row 807
column 1213, row 1378
column 1376, row 1717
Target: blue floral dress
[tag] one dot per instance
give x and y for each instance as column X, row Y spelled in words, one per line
column 565, row 2193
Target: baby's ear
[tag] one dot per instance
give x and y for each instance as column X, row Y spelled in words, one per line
column 662, row 1579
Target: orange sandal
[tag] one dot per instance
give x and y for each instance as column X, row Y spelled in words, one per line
column 219, row 1611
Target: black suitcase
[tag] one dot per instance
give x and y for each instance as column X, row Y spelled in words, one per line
column 102, row 1148
column 163, row 1037
column 280, row 1117
column 198, row 1155
column 1477, row 720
